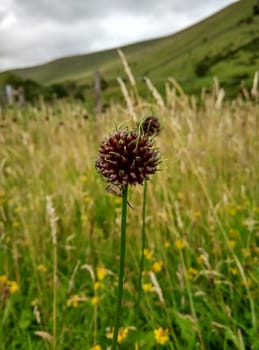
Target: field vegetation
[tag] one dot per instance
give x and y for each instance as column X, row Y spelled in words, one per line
column 60, row 229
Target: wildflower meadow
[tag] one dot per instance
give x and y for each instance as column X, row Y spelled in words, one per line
column 191, row 246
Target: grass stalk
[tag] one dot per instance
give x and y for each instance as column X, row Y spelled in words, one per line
column 53, row 219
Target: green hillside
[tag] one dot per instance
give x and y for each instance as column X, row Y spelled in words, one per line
column 225, row 45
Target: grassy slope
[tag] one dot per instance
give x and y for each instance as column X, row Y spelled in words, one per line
column 227, row 33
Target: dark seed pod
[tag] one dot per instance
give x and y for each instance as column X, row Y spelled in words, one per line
column 127, row 158
column 149, row 125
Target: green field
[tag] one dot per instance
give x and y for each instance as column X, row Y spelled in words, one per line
column 201, row 276
column 225, row 45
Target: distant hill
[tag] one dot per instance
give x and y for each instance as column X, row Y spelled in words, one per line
column 225, row 45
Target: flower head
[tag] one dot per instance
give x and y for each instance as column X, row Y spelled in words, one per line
column 98, row 285
column 10, row 286
column 95, row 300
column 13, row 287
column 180, row 244
column 101, row 273
column 147, row 287
column 161, row 335
column 122, row 334
column 167, row 244
column 96, row 347
column 191, row 273
column 73, row 301
column 157, row 266
column 127, row 158
column 149, row 125
column 3, row 279
column 148, row 254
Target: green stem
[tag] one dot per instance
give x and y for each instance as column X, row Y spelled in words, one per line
column 141, row 264
column 121, row 272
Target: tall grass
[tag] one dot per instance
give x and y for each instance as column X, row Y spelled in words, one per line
column 201, row 277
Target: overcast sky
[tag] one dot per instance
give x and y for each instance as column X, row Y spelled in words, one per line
column 36, row 31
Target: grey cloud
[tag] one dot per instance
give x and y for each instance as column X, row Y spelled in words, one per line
column 2, row 16
column 70, row 11
column 46, row 41
column 63, row 10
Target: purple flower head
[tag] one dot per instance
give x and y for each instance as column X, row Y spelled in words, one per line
column 127, row 158
column 149, row 125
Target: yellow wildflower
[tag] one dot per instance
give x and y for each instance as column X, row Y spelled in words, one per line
column 87, row 199
column 95, row 300
column 246, row 252
column 117, row 200
column 122, row 334
column 73, row 301
column 200, row 259
column 231, row 244
column 157, row 266
column 191, row 273
column 196, row 214
column 148, row 254
column 42, row 268
column 16, row 224
column 96, row 347
column 234, row 271
column 233, row 233
column 161, row 335
column 13, row 287
column 3, row 279
column 34, row 302
column 109, row 333
column 232, row 211
column 167, row 244
column 180, row 244
column 84, row 217
column 101, row 273
column 147, row 287
column 98, row 285
column 84, row 178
